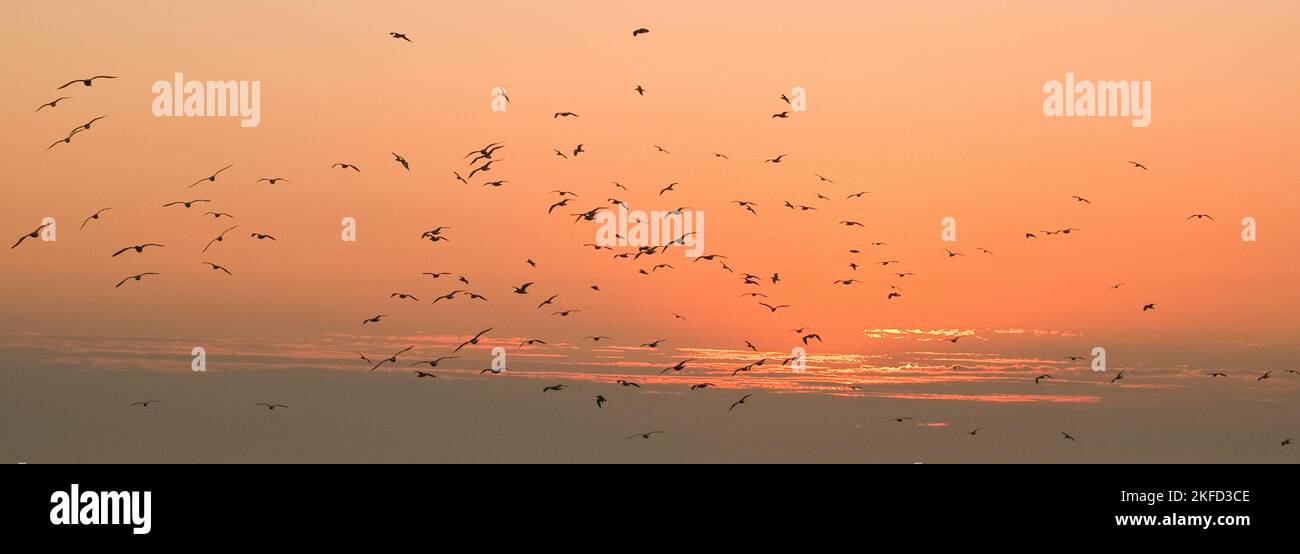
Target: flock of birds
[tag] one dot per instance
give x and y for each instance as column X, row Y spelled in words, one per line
column 481, row 161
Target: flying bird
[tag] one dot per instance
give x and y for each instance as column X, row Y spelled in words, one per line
column 399, row 36
column 137, row 277
column 86, row 82
column 398, row 157
column 186, row 204
column 30, row 235
column 271, row 407
column 739, row 402
column 640, row 31
column 94, row 216
column 212, row 177
column 52, row 103
column 216, row 267
column 471, row 341
column 144, row 403
column 219, row 238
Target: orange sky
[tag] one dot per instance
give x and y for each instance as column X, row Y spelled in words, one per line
column 933, row 107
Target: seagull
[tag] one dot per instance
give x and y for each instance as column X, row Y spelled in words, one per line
column 640, row 31
column 775, row 160
column 1140, row 166
column 1081, row 199
column 52, row 103
column 471, row 341
column 1067, row 435
column 977, row 430
column 739, row 402
column 645, row 435
column 900, row 419
column 1264, row 376
column 1286, row 442
column 421, row 374
column 661, row 149
column 1200, row 216
column 701, row 386
column 216, row 267
column 668, row 188
column 639, row 90
column 773, row 308
column 391, row 359
column 680, row 366
column 531, row 342
column 549, row 388
column 1218, row 374
column 522, row 289
column 260, row 236
column 374, row 319
column 271, row 407
column 30, row 235
column 1041, row 377
column 400, row 36
column 1119, row 376
column 1148, row 307
column 600, row 401
column 812, row 336
column 212, row 177
column 952, row 254
column 137, row 277
column 564, row 114
column 401, row 160
column 94, row 216
column 274, row 180
column 144, row 403
column 87, row 82
column 653, row 344
column 186, row 204
column 403, row 296
column 627, row 383
column 487, row 166
column 433, row 362
column 350, row 166
column 219, row 238
column 782, row 115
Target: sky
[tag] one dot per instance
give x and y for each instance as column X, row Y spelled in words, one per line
column 933, row 108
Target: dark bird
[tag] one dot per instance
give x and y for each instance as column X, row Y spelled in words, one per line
column 421, row 374
column 600, row 401
column 1200, row 216
column 645, row 435
column 212, row 177
column 1118, row 376
column 522, row 289
column 271, row 407
column 549, row 388
column 471, row 341
column 531, row 342
column 260, row 236
column 403, row 296
column 401, row 160
column 627, row 383
column 433, row 362
column 219, row 238
column 216, row 267
column 1041, row 377
column 94, row 216
column 680, row 366
column 1081, row 199
column 375, row 319
column 400, row 36
column 806, row 338
column 1266, row 375
column 773, row 308
column 775, row 160
column 274, row 180
column 661, row 149
column 350, row 166
column 52, row 103
column 391, row 359
column 701, row 386
column 144, row 403
column 86, row 82
column 1067, row 435
column 487, row 166
column 781, row 115
column 667, row 188
column 30, row 235
column 640, row 31
column 639, row 90
column 739, row 402
column 976, row 430
column 578, row 150
column 136, row 277
column 1218, row 374
column 900, row 419
column 653, row 344
column 1140, row 166
column 1148, row 307
column 564, row 114
column 186, row 204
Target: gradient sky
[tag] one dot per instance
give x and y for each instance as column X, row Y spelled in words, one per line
column 934, row 107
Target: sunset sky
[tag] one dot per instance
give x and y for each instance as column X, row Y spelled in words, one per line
column 935, row 108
